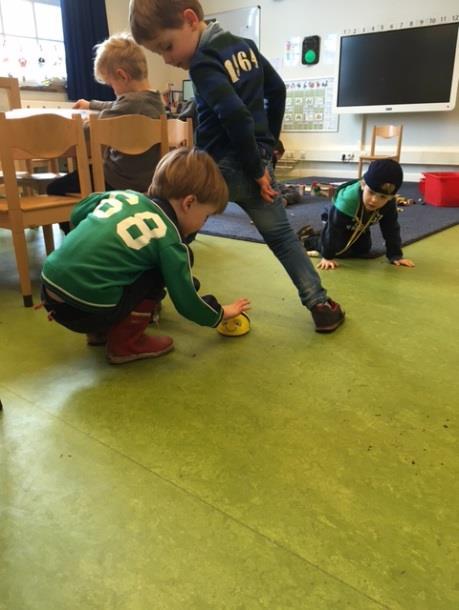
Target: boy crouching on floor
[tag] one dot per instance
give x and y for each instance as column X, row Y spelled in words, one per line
column 357, row 205
column 111, row 271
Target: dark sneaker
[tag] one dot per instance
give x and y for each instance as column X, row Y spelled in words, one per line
column 327, row 316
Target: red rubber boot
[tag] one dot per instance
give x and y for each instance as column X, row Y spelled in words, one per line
column 127, row 341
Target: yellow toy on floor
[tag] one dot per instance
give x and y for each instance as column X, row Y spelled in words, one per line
column 235, row 327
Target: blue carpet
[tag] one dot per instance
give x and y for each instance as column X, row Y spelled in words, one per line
column 416, row 221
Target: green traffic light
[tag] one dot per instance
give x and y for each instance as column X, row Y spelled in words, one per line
column 310, row 56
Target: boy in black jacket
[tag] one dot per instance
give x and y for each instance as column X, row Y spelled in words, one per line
column 356, row 206
column 240, row 101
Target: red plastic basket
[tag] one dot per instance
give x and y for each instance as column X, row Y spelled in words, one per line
column 441, row 188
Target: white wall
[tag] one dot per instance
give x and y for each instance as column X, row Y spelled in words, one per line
column 429, row 138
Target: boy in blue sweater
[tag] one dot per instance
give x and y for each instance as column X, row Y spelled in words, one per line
column 240, row 102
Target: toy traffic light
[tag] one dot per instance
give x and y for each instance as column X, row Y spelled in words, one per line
column 311, row 50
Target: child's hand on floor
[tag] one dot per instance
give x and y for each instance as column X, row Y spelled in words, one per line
column 266, row 190
column 403, row 262
column 234, row 309
column 325, row 264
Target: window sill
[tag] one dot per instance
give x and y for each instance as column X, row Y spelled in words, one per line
column 50, row 89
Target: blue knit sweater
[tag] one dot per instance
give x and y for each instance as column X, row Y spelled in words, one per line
column 240, row 98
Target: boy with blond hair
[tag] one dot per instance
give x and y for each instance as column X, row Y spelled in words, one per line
column 240, row 102
column 109, row 274
column 121, row 63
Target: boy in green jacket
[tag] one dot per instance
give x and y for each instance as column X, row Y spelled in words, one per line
column 110, row 272
column 357, row 205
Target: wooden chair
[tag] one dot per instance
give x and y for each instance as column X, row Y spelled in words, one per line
column 131, row 134
column 25, row 171
column 386, row 132
column 180, row 133
column 11, row 88
column 46, row 136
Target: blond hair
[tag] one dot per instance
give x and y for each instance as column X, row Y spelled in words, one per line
column 119, row 51
column 148, row 17
column 186, row 171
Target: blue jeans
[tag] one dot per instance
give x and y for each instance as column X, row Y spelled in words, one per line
column 272, row 222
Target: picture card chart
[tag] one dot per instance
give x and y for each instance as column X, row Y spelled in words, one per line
column 309, row 105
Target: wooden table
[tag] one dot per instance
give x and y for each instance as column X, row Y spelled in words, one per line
column 20, row 113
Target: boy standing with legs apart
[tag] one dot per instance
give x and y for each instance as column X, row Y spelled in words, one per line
column 109, row 274
column 233, row 82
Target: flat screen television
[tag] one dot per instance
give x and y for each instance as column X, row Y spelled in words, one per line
column 408, row 70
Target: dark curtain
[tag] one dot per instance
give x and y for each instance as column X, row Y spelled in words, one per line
column 84, row 24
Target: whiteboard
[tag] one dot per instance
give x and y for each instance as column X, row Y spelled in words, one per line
column 243, row 22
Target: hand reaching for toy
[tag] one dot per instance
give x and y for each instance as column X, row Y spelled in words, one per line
column 234, row 309
column 266, row 190
column 81, row 104
column 403, row 262
column 326, row 264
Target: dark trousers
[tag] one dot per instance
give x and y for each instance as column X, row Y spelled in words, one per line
column 64, row 185
column 150, row 285
column 69, row 183
column 273, row 224
column 359, row 248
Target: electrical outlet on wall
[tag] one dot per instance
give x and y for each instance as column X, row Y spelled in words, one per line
column 347, row 157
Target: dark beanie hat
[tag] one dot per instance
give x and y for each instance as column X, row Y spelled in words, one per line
column 384, row 176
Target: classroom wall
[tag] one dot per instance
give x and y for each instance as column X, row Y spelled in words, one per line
column 431, row 140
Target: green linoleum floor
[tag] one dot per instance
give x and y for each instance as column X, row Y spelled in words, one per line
column 281, row 470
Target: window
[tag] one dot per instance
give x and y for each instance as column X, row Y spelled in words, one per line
column 32, row 43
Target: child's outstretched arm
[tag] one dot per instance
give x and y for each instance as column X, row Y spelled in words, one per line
column 333, row 238
column 390, row 230
column 205, row 310
column 236, row 308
